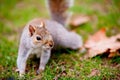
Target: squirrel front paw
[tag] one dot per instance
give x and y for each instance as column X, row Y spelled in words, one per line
column 39, row 71
column 21, row 73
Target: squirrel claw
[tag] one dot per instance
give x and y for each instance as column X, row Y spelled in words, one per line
column 17, row 70
column 39, row 71
column 21, row 75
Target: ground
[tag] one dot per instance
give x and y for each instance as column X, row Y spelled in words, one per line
column 63, row 65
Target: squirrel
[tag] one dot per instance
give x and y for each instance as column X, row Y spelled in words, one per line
column 40, row 36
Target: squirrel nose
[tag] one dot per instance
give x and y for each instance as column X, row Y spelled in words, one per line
column 49, row 43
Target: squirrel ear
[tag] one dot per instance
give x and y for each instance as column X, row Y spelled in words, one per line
column 42, row 24
column 31, row 30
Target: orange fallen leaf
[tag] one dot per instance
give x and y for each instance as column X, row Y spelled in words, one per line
column 99, row 43
column 78, row 20
column 98, row 36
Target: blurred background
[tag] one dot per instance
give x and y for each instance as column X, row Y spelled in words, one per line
column 14, row 14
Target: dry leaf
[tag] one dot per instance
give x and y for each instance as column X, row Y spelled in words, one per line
column 98, row 36
column 78, row 20
column 94, row 72
column 99, row 43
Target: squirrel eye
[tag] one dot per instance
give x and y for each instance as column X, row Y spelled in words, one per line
column 38, row 38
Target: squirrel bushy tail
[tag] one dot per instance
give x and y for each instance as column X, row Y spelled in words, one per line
column 59, row 10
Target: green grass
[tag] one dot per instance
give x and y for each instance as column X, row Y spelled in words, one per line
column 67, row 65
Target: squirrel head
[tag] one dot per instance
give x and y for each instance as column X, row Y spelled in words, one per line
column 40, row 36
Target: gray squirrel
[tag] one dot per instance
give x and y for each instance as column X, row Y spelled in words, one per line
column 40, row 36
